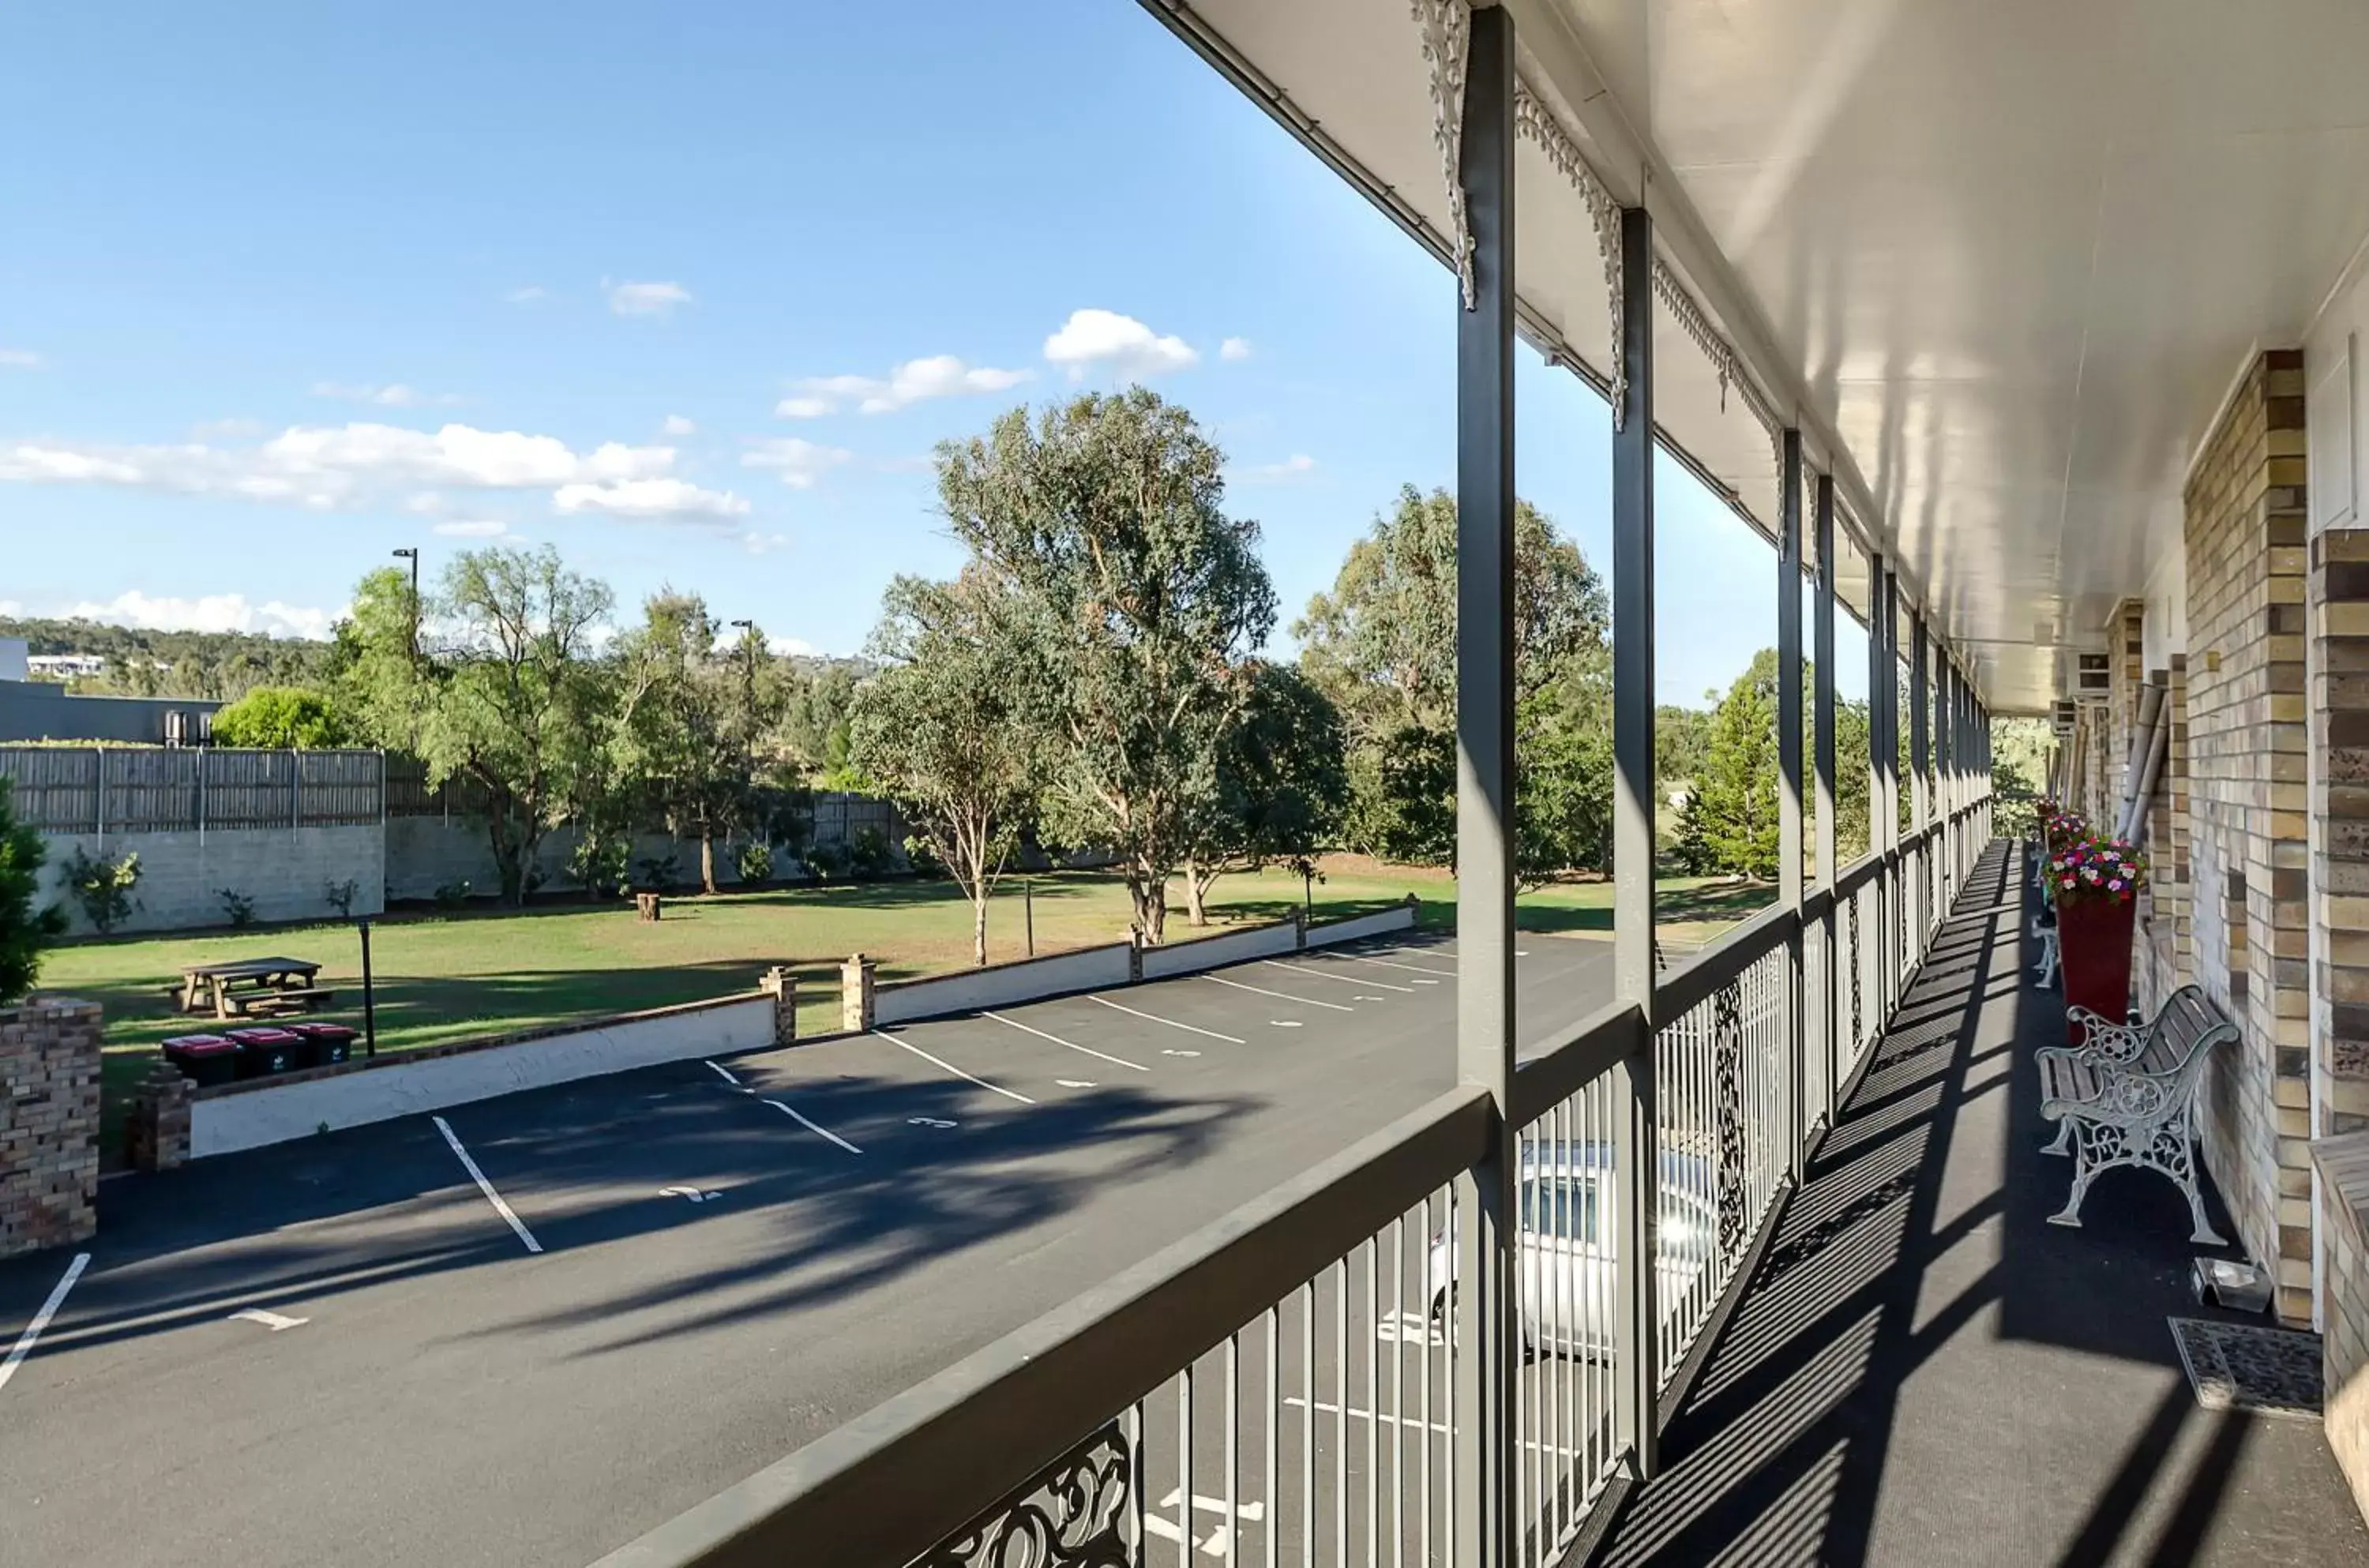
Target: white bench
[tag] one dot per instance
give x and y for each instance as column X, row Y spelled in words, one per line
column 2127, row 1096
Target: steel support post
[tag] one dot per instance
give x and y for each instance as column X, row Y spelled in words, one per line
column 1636, row 1158
column 1920, row 738
column 1822, row 666
column 1487, row 1334
column 1788, row 772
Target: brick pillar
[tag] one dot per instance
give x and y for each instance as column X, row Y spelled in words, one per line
column 858, row 980
column 157, row 1130
column 782, row 986
column 2247, row 757
column 2337, row 638
column 49, row 1125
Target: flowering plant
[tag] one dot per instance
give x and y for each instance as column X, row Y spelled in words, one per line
column 2060, row 826
column 2101, row 870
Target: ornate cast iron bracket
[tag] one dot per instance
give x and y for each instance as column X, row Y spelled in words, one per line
column 1446, row 30
column 1532, row 118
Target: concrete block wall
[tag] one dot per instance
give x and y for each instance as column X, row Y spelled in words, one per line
column 49, row 1125
column 287, row 872
column 2247, row 765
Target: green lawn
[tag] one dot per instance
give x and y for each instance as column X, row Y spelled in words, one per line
column 442, row 977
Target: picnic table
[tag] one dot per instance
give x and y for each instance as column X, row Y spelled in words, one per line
column 243, row 986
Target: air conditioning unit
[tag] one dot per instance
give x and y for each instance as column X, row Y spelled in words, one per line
column 2064, row 716
column 2093, row 674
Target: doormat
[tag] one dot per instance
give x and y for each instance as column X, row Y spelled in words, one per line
column 2234, row 1367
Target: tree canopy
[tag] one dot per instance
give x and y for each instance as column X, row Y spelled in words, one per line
column 280, row 717
column 24, row 931
column 1105, row 519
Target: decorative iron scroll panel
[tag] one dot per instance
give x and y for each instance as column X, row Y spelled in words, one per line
column 1073, row 1514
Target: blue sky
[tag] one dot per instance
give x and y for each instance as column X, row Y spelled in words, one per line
column 690, row 293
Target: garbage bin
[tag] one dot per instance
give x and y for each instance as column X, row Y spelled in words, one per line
column 203, row 1059
column 264, row 1051
column 327, row 1044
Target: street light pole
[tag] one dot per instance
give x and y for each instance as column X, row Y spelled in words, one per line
column 412, row 554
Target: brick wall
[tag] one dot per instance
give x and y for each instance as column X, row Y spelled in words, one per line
column 49, row 1125
column 2247, row 768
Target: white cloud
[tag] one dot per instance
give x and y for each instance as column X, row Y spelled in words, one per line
column 915, row 381
column 532, row 294
column 211, row 613
column 209, row 429
column 427, row 503
column 676, row 425
column 1299, row 465
column 645, row 298
column 790, row 647
column 21, row 358
column 1094, row 340
column 647, row 499
column 759, row 544
column 1234, row 348
column 331, row 465
column 801, row 463
column 485, row 528
column 395, row 395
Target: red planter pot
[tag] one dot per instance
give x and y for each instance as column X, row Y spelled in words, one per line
column 2093, row 938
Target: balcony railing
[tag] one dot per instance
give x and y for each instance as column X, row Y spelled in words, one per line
column 1304, row 1381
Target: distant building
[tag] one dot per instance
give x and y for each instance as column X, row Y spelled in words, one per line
column 43, row 710
column 14, row 664
column 59, row 666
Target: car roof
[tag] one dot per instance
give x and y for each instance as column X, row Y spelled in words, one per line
column 1578, row 1157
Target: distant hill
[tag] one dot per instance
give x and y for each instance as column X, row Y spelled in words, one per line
column 219, row 665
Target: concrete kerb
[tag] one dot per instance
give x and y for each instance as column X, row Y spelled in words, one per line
column 230, row 1117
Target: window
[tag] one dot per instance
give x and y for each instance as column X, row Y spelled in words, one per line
column 1560, row 1206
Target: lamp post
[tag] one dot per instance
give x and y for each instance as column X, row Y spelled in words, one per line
column 412, row 554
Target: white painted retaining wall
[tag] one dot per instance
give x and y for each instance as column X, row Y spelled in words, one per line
column 253, row 1118
column 1006, row 985
column 1215, row 952
column 1357, row 926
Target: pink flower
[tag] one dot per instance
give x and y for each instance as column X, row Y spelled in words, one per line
column 2068, row 882
column 2115, row 885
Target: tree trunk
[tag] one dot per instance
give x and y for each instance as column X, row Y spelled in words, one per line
column 707, row 859
column 1197, row 888
column 978, row 925
column 1150, row 897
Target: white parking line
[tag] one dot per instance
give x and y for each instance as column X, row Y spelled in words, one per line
column 486, row 1187
column 1385, row 963
column 1337, row 979
column 958, row 1073
column 1153, row 1018
column 725, row 1074
column 1278, row 995
column 1099, row 1056
column 26, row 1340
column 815, row 1127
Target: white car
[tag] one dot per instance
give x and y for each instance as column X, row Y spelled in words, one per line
column 1566, row 1197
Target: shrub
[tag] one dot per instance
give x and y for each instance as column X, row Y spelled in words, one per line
column 237, row 907
column 103, row 887
column 340, row 895
column 657, row 872
column 23, row 932
column 755, row 863
column 452, row 894
column 924, row 860
column 597, row 865
column 826, row 861
column 870, row 856
column 278, row 718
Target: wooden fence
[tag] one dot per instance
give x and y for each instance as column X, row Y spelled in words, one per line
column 112, row 789
column 832, row 817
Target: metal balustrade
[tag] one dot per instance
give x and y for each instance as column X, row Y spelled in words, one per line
column 1283, row 1388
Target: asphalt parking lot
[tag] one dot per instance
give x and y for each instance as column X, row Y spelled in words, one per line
column 527, row 1331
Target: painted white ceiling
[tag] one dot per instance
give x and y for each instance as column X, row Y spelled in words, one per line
column 2002, row 260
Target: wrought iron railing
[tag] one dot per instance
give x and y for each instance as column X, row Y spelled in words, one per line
column 1293, row 1386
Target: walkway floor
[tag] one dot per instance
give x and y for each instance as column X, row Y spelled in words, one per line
column 1925, row 1372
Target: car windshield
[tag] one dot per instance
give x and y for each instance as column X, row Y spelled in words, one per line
column 1560, row 1207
